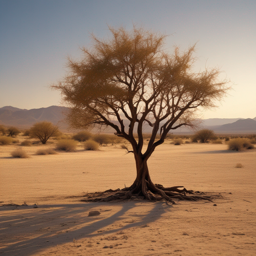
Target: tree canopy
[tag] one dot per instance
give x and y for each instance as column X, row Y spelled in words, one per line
column 130, row 81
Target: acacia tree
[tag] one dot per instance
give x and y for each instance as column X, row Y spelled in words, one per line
column 128, row 82
column 44, row 131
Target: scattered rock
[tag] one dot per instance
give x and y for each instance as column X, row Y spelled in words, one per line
column 35, row 206
column 94, row 213
column 215, row 205
column 185, row 234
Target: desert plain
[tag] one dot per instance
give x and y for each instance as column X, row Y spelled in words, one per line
column 60, row 225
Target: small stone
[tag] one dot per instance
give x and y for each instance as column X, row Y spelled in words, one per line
column 94, row 213
column 215, row 205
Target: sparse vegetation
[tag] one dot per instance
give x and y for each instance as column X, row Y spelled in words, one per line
column 204, row 136
column 26, row 132
column 68, row 145
column 102, row 139
column 26, row 143
column 91, row 145
column 2, row 130
column 13, row 131
column 19, row 153
column 177, row 141
column 44, row 131
column 82, row 136
column 239, row 144
column 218, row 141
column 47, row 151
column 5, row 140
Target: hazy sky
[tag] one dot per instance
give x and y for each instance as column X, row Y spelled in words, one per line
column 37, row 36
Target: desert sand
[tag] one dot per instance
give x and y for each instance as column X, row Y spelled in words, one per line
column 60, row 225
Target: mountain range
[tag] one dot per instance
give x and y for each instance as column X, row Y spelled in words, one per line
column 23, row 118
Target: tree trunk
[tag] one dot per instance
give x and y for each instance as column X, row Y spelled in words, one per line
column 144, row 188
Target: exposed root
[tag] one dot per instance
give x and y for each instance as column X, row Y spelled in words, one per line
column 152, row 193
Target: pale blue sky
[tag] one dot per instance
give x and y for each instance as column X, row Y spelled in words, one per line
column 37, row 36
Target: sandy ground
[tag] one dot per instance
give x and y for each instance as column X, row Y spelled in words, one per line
column 61, row 225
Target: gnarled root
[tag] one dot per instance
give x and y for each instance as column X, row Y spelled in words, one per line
column 151, row 192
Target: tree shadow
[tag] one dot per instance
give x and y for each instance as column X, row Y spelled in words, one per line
column 52, row 225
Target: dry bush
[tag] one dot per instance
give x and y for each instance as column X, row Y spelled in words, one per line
column 82, row 136
column 44, row 131
column 239, row 165
column 15, row 141
column 177, row 141
column 204, row 136
column 19, row 153
column 26, row 133
column 26, row 143
column 66, row 145
column 2, row 130
column 13, row 131
column 240, row 144
column 91, row 145
column 5, row 140
column 102, row 138
column 47, row 151
column 218, row 141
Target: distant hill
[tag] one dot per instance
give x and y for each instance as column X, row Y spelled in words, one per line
column 242, row 125
column 23, row 118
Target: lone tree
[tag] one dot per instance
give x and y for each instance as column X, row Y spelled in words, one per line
column 128, row 82
column 44, row 131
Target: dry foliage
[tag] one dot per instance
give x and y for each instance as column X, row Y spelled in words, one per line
column 204, row 136
column 82, row 136
column 19, row 153
column 26, row 143
column 2, row 130
column 44, row 131
column 13, row 131
column 91, row 145
column 5, row 140
column 68, row 145
column 177, row 141
column 131, row 80
column 239, row 144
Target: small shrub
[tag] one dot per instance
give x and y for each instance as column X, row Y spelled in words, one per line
column 240, row 144
column 19, row 153
column 66, row 145
column 13, row 131
column 102, row 138
column 82, row 136
column 26, row 143
column 2, row 130
column 239, row 165
column 204, row 136
column 227, row 139
column 177, row 141
column 48, row 151
column 91, row 145
column 26, row 132
column 5, row 140
column 14, row 141
column 218, row 141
